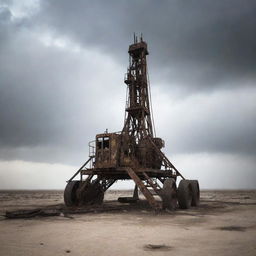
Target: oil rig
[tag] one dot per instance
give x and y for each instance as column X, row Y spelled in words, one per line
column 132, row 154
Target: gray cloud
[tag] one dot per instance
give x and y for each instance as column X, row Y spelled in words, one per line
column 219, row 122
column 5, row 18
column 49, row 97
column 197, row 45
column 54, row 98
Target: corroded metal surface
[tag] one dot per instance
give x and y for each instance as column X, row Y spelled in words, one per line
column 135, row 152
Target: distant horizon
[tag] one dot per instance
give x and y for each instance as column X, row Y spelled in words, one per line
column 201, row 189
column 62, row 82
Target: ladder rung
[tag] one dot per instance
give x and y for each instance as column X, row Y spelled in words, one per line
column 144, row 189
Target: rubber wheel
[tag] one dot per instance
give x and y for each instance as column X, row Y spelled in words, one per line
column 169, row 194
column 70, row 197
column 185, row 194
column 92, row 194
column 195, row 192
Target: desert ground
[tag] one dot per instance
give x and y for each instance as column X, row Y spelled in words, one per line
column 224, row 224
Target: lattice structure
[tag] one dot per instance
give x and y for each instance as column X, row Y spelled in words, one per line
column 134, row 153
column 138, row 121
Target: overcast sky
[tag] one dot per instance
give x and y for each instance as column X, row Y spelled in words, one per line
column 62, row 65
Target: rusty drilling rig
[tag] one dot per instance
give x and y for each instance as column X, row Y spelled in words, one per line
column 134, row 153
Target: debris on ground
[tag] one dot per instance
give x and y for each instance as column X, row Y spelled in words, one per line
column 61, row 211
column 162, row 247
column 233, row 228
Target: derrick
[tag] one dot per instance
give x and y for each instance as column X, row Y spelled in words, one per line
column 135, row 153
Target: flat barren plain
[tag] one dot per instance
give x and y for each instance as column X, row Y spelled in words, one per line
column 224, row 224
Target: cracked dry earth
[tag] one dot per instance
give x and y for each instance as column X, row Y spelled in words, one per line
column 224, row 224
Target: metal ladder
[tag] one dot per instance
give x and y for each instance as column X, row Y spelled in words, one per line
column 144, row 188
column 150, row 183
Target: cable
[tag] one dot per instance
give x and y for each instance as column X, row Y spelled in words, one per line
column 126, row 103
column 150, row 104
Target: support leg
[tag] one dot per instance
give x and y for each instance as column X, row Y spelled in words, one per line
column 135, row 193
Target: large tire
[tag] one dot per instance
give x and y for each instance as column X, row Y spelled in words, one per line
column 70, row 197
column 169, row 194
column 185, row 194
column 92, row 194
column 195, row 192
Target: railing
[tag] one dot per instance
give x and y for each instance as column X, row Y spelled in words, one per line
column 92, row 148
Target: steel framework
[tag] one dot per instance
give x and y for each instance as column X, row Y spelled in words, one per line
column 134, row 153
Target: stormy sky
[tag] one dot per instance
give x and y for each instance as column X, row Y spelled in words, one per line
column 62, row 65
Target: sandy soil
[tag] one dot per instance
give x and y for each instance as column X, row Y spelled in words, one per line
column 224, row 224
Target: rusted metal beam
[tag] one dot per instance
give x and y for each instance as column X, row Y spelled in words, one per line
column 165, row 158
column 155, row 205
column 80, row 169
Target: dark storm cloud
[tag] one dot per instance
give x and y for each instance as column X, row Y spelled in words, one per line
column 45, row 105
column 42, row 91
column 194, row 44
column 53, row 101
column 5, row 18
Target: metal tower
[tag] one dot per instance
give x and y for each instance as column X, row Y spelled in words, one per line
column 134, row 154
column 138, row 122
